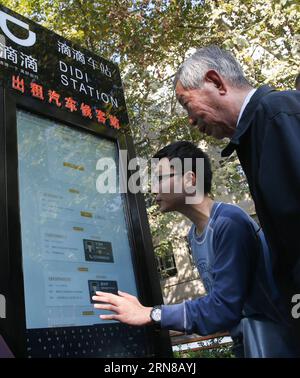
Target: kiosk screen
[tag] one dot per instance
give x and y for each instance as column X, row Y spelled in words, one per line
column 75, row 239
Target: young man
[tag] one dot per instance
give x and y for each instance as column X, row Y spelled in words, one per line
column 232, row 258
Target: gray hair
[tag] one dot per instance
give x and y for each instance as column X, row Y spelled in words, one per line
column 191, row 73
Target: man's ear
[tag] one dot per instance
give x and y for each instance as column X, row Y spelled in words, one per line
column 213, row 77
column 189, row 179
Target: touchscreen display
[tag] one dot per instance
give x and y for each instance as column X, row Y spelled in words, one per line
column 74, row 239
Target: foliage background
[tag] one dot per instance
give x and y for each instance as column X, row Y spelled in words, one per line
column 150, row 39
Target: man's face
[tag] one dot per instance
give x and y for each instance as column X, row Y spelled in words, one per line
column 204, row 108
column 169, row 183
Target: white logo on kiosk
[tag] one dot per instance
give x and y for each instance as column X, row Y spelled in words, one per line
column 29, row 41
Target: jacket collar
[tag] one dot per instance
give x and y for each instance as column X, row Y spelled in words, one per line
column 246, row 119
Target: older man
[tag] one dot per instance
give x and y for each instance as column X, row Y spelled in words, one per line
column 264, row 128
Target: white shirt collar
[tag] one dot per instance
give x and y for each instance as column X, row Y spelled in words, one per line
column 245, row 103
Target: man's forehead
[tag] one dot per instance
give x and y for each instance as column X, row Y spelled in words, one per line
column 181, row 92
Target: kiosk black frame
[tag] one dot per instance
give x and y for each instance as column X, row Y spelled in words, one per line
column 13, row 328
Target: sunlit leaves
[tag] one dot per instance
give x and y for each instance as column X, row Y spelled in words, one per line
column 150, row 39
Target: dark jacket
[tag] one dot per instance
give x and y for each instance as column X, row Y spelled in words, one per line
column 267, row 141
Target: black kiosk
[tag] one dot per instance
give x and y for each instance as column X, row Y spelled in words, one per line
column 62, row 118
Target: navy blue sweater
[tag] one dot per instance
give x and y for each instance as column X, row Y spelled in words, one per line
column 234, row 263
